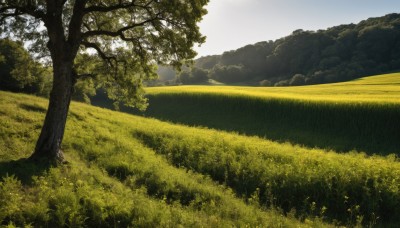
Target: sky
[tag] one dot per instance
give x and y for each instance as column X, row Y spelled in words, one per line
column 231, row 24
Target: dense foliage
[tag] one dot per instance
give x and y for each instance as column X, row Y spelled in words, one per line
column 340, row 53
column 194, row 76
column 126, row 39
column 19, row 72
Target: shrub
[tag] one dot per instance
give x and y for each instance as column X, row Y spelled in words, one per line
column 265, row 83
column 282, row 83
column 297, row 80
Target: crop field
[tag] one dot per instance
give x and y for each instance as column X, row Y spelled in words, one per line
column 126, row 170
column 361, row 115
column 374, row 89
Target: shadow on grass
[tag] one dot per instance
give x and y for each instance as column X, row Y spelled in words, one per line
column 23, row 169
column 32, row 108
column 373, row 129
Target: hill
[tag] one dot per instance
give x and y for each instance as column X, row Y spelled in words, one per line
column 358, row 115
column 126, row 170
column 112, row 178
column 339, row 53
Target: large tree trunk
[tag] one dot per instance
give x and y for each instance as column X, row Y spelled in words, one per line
column 48, row 146
column 63, row 51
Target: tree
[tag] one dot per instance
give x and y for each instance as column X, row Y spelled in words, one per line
column 297, row 80
column 18, row 71
column 13, row 56
column 183, row 77
column 229, row 74
column 129, row 37
column 282, row 83
column 265, row 82
column 194, row 76
column 199, row 75
column 339, row 53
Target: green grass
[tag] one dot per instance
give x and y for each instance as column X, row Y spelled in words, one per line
column 112, row 178
column 361, row 115
column 131, row 171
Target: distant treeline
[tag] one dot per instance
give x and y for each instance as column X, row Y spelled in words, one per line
column 339, row 53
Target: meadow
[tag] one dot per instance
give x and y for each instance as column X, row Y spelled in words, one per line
column 125, row 170
column 111, row 178
column 361, row 115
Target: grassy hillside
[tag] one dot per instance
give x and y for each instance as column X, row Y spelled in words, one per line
column 360, row 115
column 112, row 179
column 132, row 171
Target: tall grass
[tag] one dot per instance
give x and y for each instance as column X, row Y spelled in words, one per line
column 132, row 171
column 372, row 128
column 111, row 180
column 348, row 188
column 361, row 115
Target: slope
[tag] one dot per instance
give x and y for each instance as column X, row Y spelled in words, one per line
column 358, row 115
column 111, row 180
column 131, row 171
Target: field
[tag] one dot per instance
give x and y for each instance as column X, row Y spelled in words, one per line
column 373, row 89
column 361, row 115
column 125, row 170
column 112, row 179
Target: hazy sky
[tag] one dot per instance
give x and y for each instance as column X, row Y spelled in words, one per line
column 231, row 24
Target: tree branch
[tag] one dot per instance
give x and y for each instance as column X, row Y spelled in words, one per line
column 102, row 55
column 121, row 31
column 76, row 22
column 105, row 9
column 4, row 16
column 83, row 76
column 28, row 9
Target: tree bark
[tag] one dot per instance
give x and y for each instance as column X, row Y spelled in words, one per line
column 63, row 51
column 48, row 146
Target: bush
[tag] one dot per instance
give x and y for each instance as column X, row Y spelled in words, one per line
column 297, row 80
column 229, row 74
column 265, row 83
column 282, row 83
column 194, row 76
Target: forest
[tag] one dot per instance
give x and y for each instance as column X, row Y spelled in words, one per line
column 340, row 53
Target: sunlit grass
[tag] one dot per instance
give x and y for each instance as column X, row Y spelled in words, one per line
column 359, row 115
column 374, row 89
column 111, row 180
column 127, row 170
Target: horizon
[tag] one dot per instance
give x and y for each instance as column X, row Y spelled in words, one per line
column 273, row 19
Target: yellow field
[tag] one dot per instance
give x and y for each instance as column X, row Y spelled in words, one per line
column 374, row 89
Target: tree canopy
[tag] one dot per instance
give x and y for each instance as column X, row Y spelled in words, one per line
column 19, row 72
column 118, row 42
column 128, row 36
